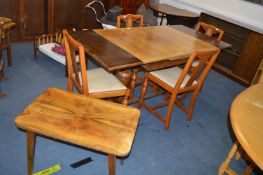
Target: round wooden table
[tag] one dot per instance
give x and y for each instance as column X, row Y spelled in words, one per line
column 246, row 115
column 175, row 16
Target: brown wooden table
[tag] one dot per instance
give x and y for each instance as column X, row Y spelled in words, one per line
column 171, row 11
column 92, row 123
column 156, row 43
column 151, row 47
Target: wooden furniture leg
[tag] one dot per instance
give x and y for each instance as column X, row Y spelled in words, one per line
column 31, row 140
column 9, row 58
column 111, row 159
column 133, row 81
column 225, row 165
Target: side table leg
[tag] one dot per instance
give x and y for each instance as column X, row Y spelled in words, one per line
column 31, row 140
column 111, row 159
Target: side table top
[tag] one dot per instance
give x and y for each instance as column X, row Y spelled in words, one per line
column 247, row 121
column 171, row 10
column 93, row 123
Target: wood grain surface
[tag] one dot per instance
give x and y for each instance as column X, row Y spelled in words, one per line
column 247, row 121
column 107, row 54
column 156, row 43
column 85, row 121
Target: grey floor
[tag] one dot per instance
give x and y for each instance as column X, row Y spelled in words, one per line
column 195, row 150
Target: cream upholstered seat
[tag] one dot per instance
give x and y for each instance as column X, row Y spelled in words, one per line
column 96, row 82
column 47, row 50
column 171, row 75
column 100, row 80
column 176, row 81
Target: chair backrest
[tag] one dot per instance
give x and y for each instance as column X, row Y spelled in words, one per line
column 210, row 30
column 76, row 64
column 194, row 79
column 129, row 19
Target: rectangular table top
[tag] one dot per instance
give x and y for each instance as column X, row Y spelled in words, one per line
column 107, row 54
column 81, row 120
column 201, row 36
column 156, row 43
column 7, row 22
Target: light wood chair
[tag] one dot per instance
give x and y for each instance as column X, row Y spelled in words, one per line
column 210, row 30
column 129, row 20
column 97, row 82
column 177, row 81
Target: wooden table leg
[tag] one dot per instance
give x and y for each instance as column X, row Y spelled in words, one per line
column 133, row 82
column 111, row 159
column 224, row 168
column 31, row 140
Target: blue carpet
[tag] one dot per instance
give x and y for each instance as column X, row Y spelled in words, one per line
column 195, row 150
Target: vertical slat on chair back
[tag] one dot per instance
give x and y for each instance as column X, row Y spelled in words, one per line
column 205, row 62
column 129, row 19
column 73, row 48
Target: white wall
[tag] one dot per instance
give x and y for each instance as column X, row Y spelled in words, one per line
column 239, row 12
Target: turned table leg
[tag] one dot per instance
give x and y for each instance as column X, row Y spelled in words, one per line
column 31, row 140
column 111, row 159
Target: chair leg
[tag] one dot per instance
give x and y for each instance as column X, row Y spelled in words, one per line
column 169, row 112
column 111, row 160
column 143, row 91
column 31, row 140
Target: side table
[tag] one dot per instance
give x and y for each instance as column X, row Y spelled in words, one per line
column 92, row 123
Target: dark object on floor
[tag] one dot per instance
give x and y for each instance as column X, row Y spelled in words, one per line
column 81, row 162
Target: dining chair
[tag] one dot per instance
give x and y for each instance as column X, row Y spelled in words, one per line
column 2, row 77
column 178, row 83
column 129, row 20
column 97, row 82
column 5, row 43
column 210, row 30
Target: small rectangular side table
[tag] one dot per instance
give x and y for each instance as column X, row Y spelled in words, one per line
column 92, row 123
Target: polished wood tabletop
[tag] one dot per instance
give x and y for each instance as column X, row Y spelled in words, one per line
column 246, row 116
column 156, row 43
column 7, row 23
column 85, row 121
column 107, row 54
column 202, row 36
